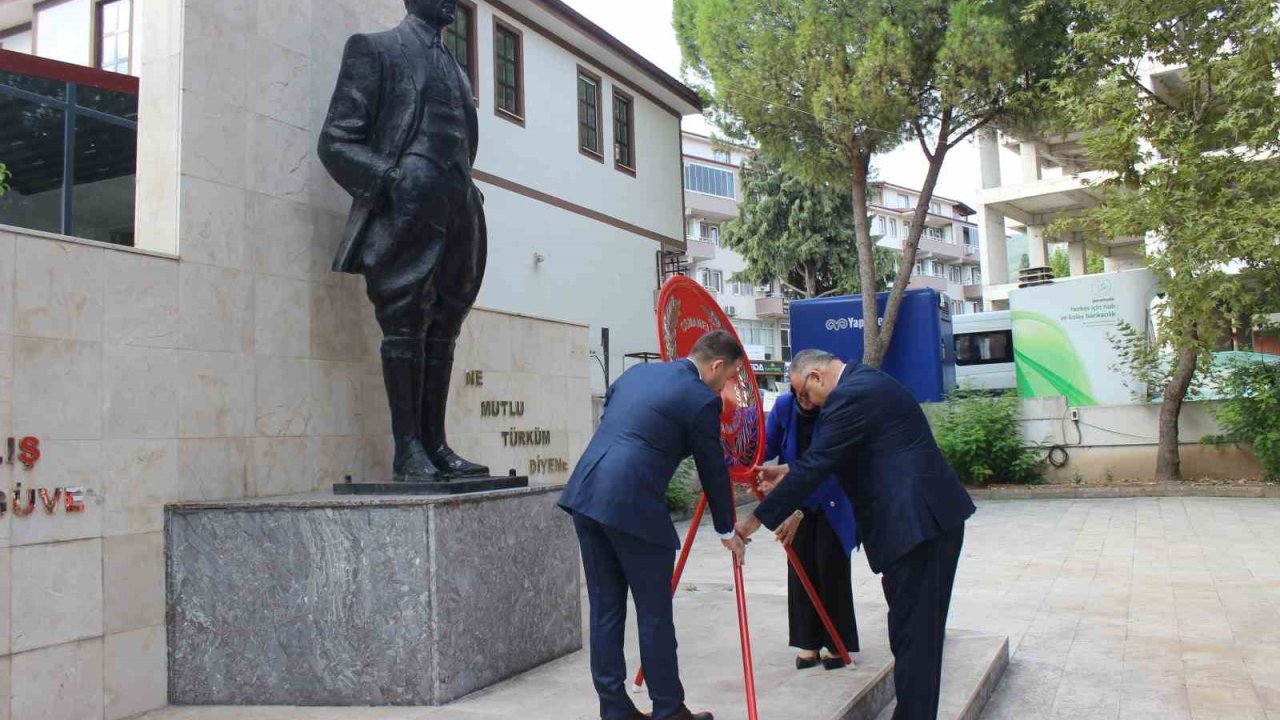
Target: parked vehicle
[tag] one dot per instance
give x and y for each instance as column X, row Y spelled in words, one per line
column 921, row 356
column 984, row 351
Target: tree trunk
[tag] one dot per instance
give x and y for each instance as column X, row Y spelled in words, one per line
column 866, row 259
column 1168, row 460
column 874, row 352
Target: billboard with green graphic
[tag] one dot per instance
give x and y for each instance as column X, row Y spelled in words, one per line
column 1060, row 334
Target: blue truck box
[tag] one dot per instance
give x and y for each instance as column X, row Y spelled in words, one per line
column 921, row 356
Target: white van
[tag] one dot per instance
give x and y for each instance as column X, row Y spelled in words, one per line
column 984, row 351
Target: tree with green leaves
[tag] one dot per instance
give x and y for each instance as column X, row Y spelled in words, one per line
column 825, row 85
column 799, row 232
column 1189, row 156
column 4, row 179
column 1060, row 262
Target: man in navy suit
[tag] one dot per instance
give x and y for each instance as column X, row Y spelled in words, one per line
column 654, row 417
column 909, row 504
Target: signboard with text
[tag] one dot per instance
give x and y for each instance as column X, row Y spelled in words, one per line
column 1061, row 332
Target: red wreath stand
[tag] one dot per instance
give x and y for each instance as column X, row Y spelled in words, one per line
column 686, row 312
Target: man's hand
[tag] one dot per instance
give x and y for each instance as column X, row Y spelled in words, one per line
column 786, row 532
column 738, row 546
column 747, row 526
column 768, row 476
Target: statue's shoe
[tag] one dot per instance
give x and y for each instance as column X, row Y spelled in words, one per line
column 415, row 466
column 453, row 465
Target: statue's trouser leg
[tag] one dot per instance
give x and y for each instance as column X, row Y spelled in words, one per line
column 402, row 373
column 456, row 285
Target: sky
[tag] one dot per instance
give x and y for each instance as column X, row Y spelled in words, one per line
column 645, row 25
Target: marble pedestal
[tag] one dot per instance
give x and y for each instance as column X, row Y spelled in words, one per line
column 347, row 601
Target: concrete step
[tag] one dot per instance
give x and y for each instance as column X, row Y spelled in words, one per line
column 972, row 666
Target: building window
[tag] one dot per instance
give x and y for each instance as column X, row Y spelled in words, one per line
column 115, row 35
column 919, row 270
column 935, row 208
column 508, row 70
column 71, row 151
column 460, row 38
column 880, row 225
column 977, row 277
column 64, row 31
column 722, row 156
column 710, row 234
column 984, row 348
column 904, row 201
column 893, row 228
column 785, row 331
column 712, row 280
column 589, row 115
column 624, row 132
column 709, row 180
column 17, row 39
column 975, row 307
column 933, row 233
column 953, row 274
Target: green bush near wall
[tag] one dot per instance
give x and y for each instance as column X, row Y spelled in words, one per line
column 1250, row 412
column 982, row 439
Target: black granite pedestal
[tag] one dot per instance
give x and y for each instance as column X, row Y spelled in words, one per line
column 366, row 600
column 458, row 486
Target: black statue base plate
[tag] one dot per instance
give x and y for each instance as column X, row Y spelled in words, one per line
column 459, row 486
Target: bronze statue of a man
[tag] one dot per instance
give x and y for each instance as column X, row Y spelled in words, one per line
column 401, row 138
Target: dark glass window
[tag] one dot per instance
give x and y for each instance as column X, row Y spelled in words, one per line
column 31, row 146
column 624, row 153
column 507, row 68
column 589, row 113
column 70, row 151
column 460, row 37
column 984, row 348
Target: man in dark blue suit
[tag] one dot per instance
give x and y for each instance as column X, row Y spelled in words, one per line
column 654, row 417
column 909, row 504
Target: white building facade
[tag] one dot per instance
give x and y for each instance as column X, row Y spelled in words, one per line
column 170, row 328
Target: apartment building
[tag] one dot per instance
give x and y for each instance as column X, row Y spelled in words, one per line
column 947, row 259
column 712, row 190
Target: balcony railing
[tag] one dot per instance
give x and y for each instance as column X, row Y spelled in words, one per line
column 772, row 307
column 698, row 249
column 69, row 140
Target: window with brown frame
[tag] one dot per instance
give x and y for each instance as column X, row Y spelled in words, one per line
column 113, row 35
column 508, row 71
column 624, row 132
column 460, row 38
column 590, row 115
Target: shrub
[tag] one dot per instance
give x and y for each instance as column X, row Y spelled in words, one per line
column 982, row 439
column 681, row 495
column 1250, row 412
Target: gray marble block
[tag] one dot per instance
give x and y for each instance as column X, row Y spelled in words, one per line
column 348, row 601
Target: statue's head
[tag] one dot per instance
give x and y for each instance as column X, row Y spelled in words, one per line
column 437, row 13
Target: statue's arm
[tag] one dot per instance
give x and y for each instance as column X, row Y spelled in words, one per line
column 344, row 142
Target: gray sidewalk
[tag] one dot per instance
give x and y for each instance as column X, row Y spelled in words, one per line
column 1116, row 608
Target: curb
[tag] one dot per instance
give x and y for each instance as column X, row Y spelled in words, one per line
column 1138, row 491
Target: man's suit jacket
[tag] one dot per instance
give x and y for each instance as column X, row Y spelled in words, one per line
column 655, row 415
column 384, row 83
column 782, row 442
column 875, row 438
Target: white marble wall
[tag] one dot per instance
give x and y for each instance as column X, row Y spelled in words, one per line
column 151, row 380
column 230, row 363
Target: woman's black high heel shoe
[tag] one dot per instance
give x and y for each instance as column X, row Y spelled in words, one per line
column 806, row 663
